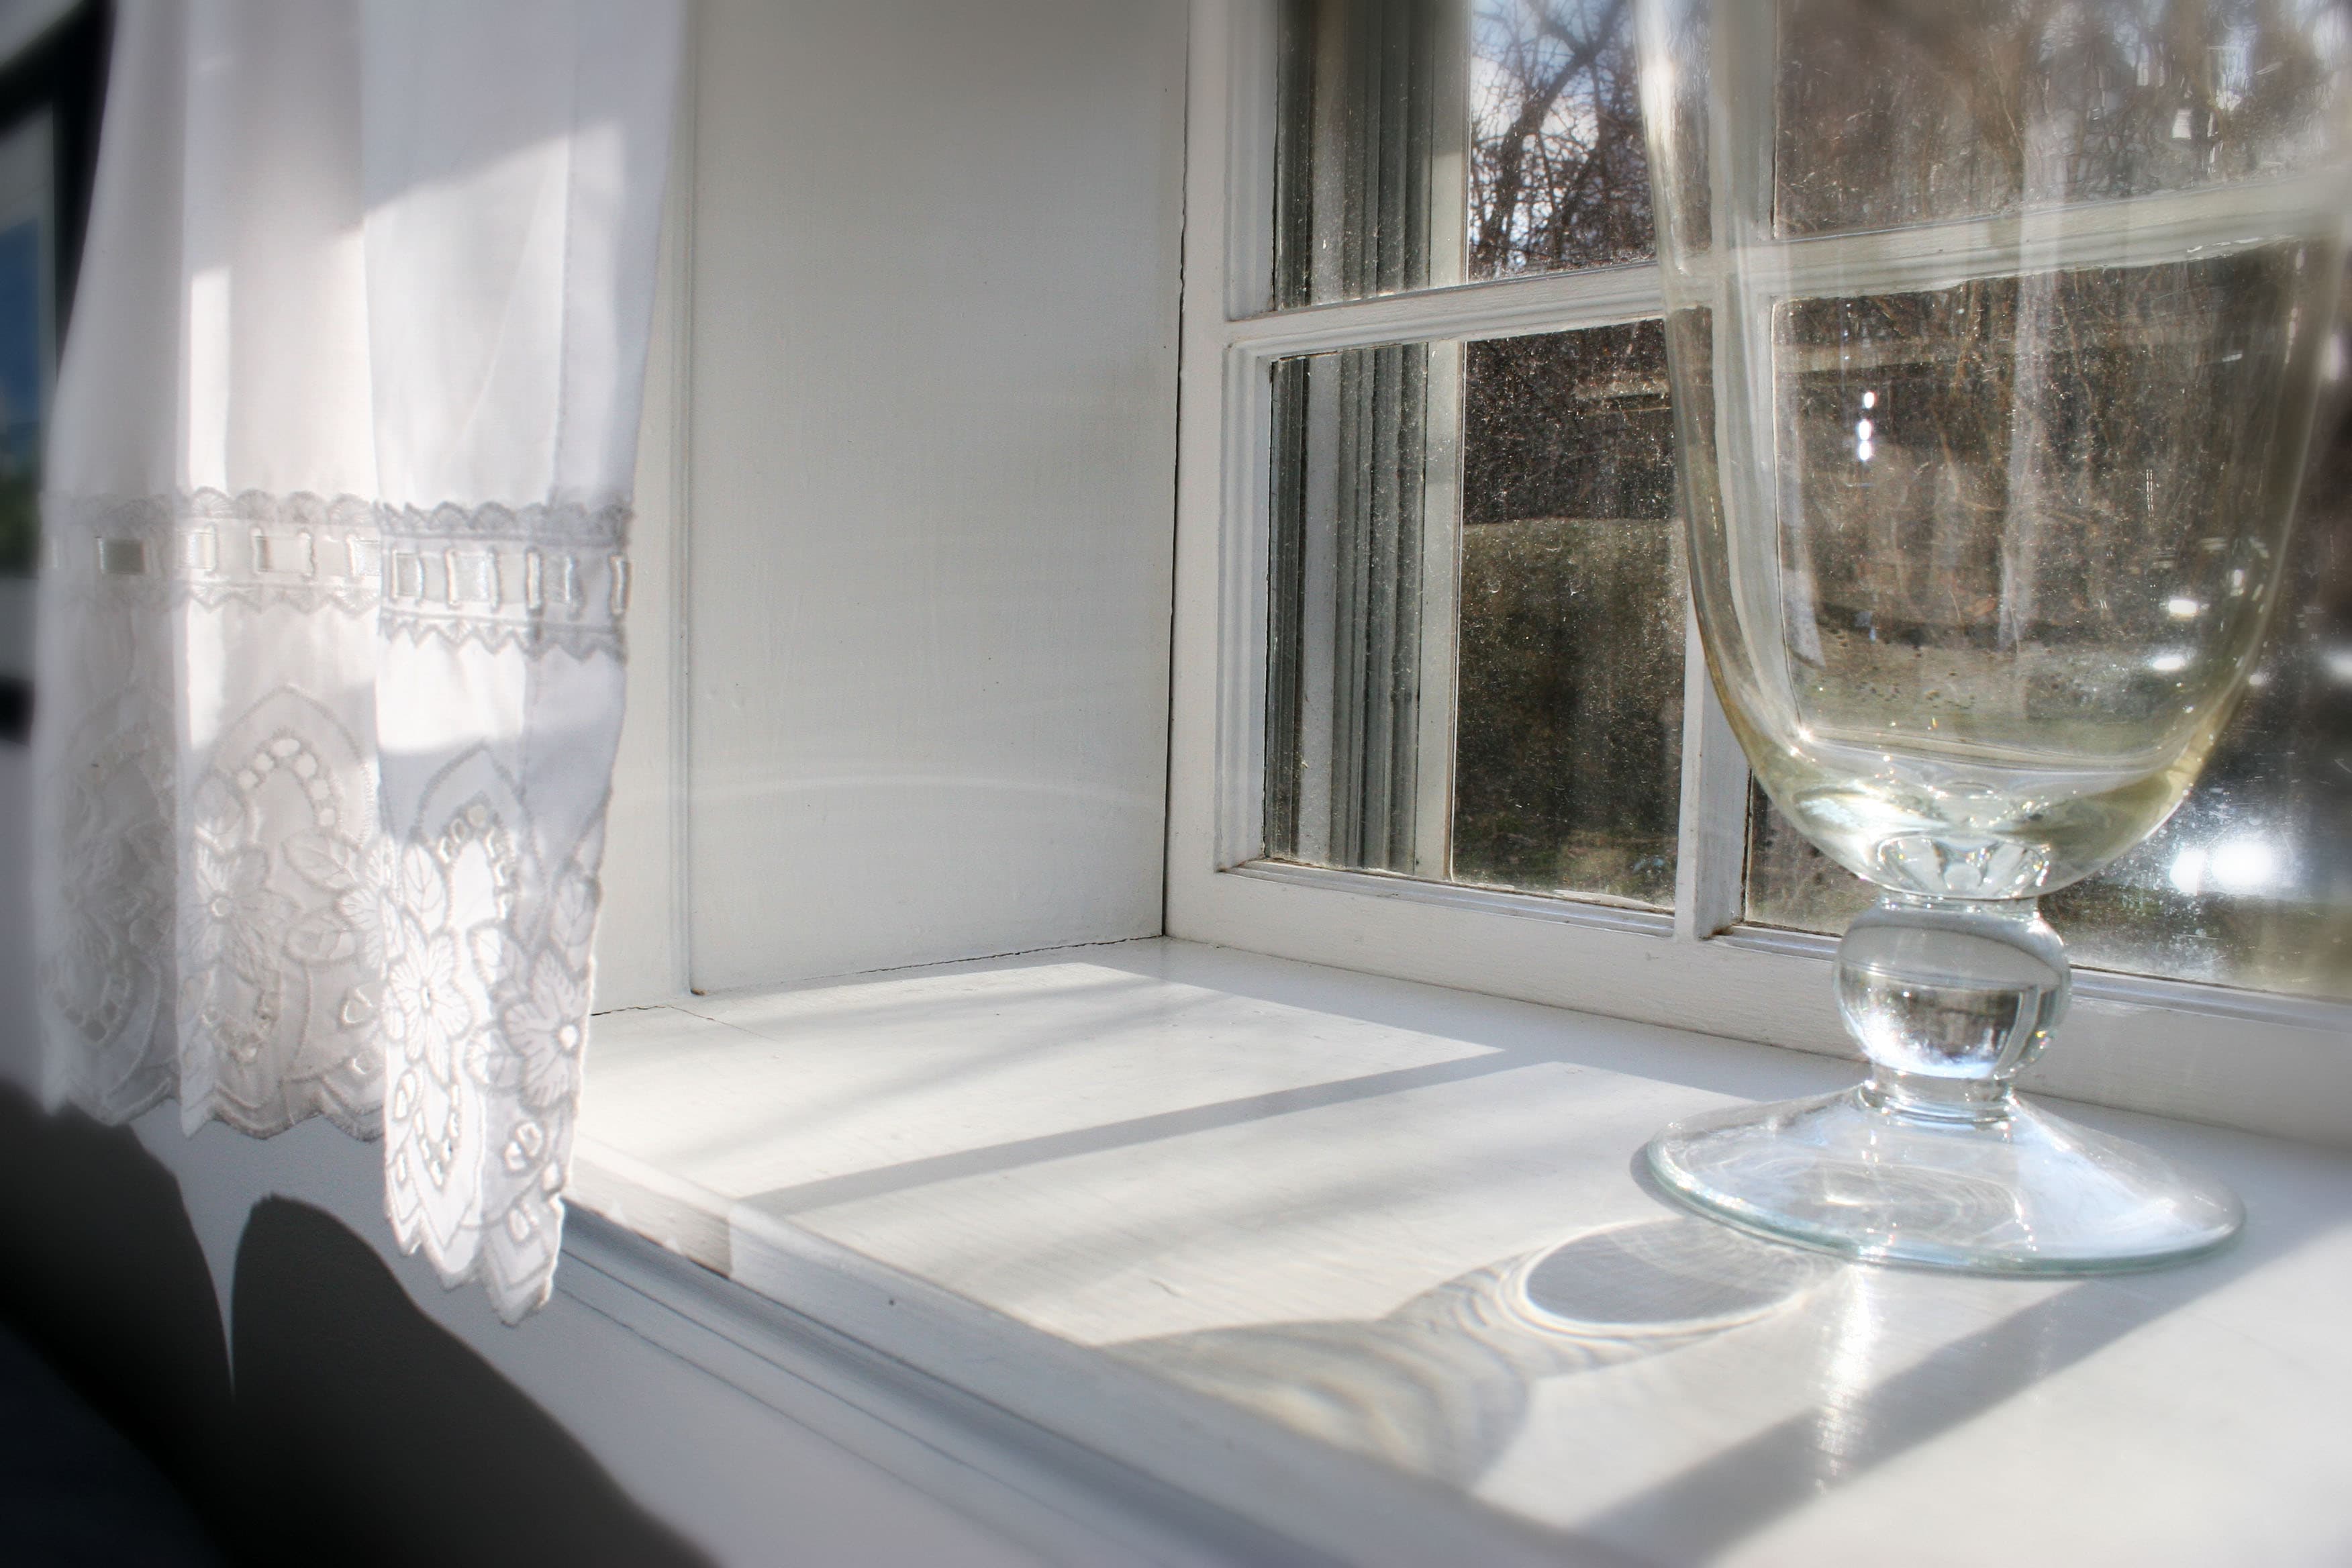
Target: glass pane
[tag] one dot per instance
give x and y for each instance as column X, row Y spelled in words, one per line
column 1568, row 775
column 1525, row 732
column 1423, row 142
column 1350, row 571
column 1558, row 176
column 2187, row 93
column 2249, row 883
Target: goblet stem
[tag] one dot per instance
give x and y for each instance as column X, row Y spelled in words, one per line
column 1948, row 998
column 1934, row 1159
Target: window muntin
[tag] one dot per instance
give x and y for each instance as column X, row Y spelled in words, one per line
column 1758, row 871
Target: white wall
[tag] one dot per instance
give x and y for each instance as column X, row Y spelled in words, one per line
column 930, row 484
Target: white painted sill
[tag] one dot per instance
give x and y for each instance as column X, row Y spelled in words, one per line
column 1162, row 1252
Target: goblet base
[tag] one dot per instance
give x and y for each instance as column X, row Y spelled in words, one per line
column 2011, row 1189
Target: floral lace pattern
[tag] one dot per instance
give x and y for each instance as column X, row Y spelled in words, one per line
column 305, row 842
column 105, row 966
column 102, row 865
column 281, row 950
column 486, row 1017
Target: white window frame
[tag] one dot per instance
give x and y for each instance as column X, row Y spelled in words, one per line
column 2272, row 1062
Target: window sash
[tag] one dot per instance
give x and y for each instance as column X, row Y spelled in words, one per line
column 2144, row 1041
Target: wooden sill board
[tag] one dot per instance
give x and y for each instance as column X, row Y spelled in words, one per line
column 1264, row 1231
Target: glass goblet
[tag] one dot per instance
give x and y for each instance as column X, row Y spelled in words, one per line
column 1994, row 331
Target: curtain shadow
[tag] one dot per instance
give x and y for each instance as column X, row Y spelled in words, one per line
column 107, row 1282
column 73, row 1489
column 378, row 1438
column 356, row 1430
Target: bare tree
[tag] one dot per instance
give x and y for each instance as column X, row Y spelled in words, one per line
column 1557, row 173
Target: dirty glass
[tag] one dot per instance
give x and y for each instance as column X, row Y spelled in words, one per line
column 2176, row 96
column 2249, row 883
column 1476, row 636
column 1423, row 142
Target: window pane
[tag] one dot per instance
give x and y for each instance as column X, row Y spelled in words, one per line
column 1558, row 176
column 1423, row 142
column 1349, row 574
column 2249, row 883
column 1527, row 731
column 2178, row 96
column 1569, row 771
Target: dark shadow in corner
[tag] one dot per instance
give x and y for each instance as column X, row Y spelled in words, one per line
column 73, row 1489
column 368, row 1434
column 106, row 1278
column 357, row 1430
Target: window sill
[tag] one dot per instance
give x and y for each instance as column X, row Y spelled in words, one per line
column 1156, row 1250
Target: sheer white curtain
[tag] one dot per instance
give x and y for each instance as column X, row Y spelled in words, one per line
column 334, row 579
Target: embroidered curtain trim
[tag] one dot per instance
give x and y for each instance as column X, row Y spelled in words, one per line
column 255, row 910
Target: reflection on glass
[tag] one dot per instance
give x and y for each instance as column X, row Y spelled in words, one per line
column 1368, row 154
column 1349, row 574
column 2171, row 96
column 1568, row 767
column 1423, row 142
column 1525, row 730
column 2249, row 883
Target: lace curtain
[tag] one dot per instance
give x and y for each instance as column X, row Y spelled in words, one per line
column 334, row 578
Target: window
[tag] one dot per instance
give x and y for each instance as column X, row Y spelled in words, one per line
column 1440, row 713
column 1476, row 633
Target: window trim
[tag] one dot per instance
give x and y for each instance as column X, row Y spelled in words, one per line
column 2266, row 1061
